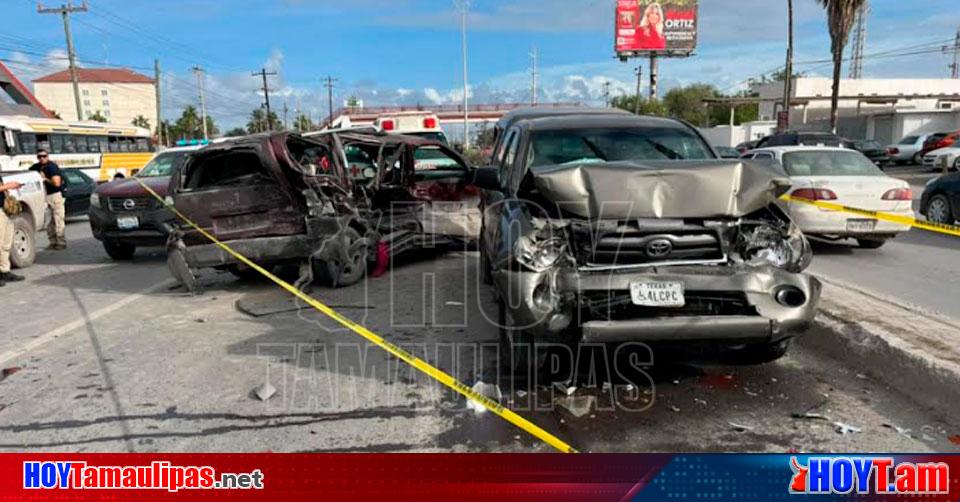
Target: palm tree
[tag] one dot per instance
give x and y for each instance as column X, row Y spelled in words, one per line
column 840, row 17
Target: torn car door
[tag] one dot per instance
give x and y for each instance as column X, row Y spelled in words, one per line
column 437, row 180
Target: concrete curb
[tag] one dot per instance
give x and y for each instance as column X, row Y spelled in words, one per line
column 907, row 348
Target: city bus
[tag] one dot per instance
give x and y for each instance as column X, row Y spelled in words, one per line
column 99, row 150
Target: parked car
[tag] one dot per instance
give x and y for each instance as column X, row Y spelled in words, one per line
column 845, row 177
column 940, row 202
column 328, row 203
column 872, row 150
column 937, row 141
column 907, row 150
column 124, row 216
column 727, row 152
column 747, row 146
column 32, row 198
column 948, row 157
column 616, row 229
column 77, row 188
column 801, row 138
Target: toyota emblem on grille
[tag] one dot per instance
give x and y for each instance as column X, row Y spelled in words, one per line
column 658, row 248
column 129, row 204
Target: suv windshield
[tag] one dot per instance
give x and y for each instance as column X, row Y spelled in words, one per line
column 615, row 144
column 163, row 164
column 829, row 163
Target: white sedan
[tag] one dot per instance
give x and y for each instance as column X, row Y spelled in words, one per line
column 845, row 177
column 907, row 150
column 943, row 157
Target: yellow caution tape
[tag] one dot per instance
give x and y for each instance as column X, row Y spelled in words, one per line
column 879, row 215
column 377, row 340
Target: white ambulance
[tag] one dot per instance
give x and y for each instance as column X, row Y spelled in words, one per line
column 417, row 123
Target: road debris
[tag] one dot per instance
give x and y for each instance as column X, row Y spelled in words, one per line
column 844, row 429
column 740, row 427
column 454, row 304
column 700, row 401
column 955, row 439
column 810, row 416
column 487, row 390
column 578, row 406
column 265, row 391
column 900, row 430
column 565, row 387
column 9, row 371
column 675, row 409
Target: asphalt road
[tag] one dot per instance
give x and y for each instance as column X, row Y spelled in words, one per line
column 112, row 358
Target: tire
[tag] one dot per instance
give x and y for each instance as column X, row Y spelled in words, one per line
column 119, row 251
column 24, row 249
column 335, row 273
column 939, row 210
column 871, row 243
column 759, row 353
column 917, row 159
column 244, row 273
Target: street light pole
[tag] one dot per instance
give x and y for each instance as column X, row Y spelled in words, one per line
column 203, row 107
column 464, row 6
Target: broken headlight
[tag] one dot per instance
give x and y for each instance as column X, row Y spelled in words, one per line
column 769, row 244
column 540, row 255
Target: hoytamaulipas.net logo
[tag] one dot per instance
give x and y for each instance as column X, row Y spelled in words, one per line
column 158, row 475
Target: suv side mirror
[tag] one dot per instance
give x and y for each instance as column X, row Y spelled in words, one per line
column 487, row 178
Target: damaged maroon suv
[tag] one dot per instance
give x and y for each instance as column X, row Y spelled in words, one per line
column 333, row 204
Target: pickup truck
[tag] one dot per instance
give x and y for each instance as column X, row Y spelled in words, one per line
column 33, row 198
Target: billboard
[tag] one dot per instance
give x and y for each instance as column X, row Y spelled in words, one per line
column 667, row 27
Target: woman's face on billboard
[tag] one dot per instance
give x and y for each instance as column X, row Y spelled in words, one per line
column 653, row 16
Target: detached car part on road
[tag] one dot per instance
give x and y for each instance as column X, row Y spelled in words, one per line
column 607, row 229
column 331, row 203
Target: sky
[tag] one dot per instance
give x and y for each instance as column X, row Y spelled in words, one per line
column 388, row 52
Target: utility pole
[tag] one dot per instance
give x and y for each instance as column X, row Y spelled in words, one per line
column 654, row 76
column 157, row 88
column 263, row 73
column 65, row 10
column 955, row 66
column 328, row 83
column 534, row 75
column 203, row 107
column 859, row 41
column 636, row 105
column 606, row 93
column 284, row 114
column 788, row 71
column 464, row 6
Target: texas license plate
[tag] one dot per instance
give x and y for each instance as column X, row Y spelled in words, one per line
column 861, row 225
column 128, row 222
column 657, row 294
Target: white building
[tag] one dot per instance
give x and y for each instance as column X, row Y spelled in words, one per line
column 118, row 94
column 810, row 97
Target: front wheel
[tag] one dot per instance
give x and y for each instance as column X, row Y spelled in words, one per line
column 938, row 210
column 917, row 158
column 871, row 243
column 344, row 267
column 24, row 249
column 119, row 250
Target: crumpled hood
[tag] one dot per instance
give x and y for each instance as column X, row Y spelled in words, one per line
column 661, row 189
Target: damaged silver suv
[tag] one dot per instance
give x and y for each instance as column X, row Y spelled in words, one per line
column 608, row 229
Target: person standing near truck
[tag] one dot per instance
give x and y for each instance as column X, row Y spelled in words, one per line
column 53, row 183
column 6, row 234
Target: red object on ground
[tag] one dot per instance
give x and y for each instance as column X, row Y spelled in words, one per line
column 383, row 260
